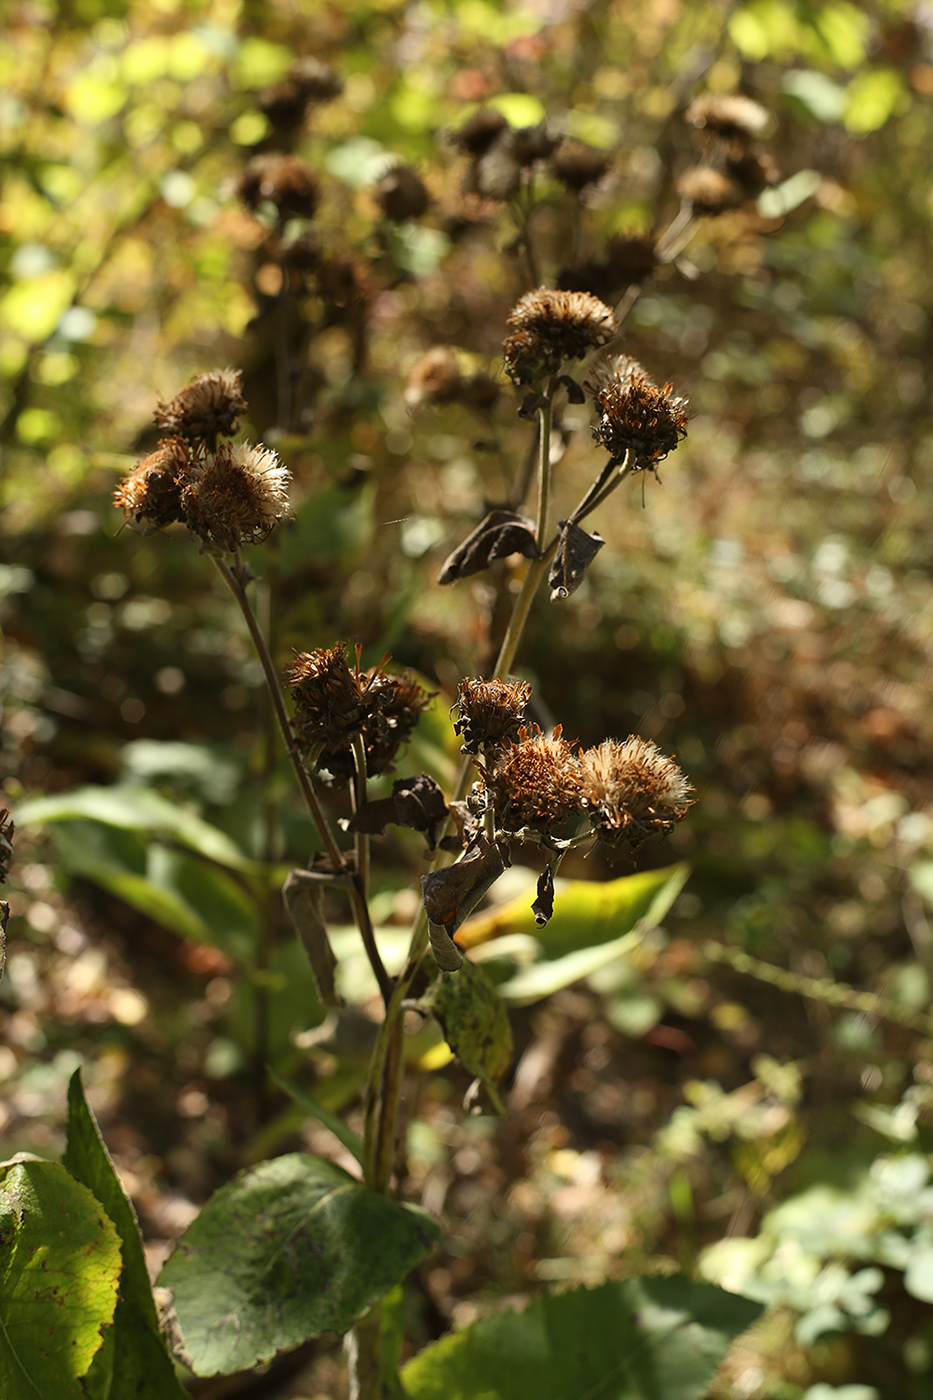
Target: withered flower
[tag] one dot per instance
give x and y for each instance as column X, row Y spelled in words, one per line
column 534, row 782
column 434, row 378
column 529, row 144
column 151, row 491
column 753, row 173
column 478, row 133
column 631, row 791
column 285, row 181
column 577, row 164
column 490, row 712
column 308, row 81
column 710, row 191
column 637, row 415
column 402, row 703
column 627, row 261
column 207, row 408
column 549, row 327
column 496, row 174
column 401, row 194
column 729, row 114
column 235, row 496
column 7, row 828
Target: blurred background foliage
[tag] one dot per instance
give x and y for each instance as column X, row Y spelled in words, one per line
column 765, row 614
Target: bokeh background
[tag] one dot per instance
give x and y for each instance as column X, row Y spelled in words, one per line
column 764, row 612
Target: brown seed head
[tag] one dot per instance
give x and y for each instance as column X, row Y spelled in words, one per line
column 7, row 828
column 235, row 496
column 631, row 791
column 637, row 415
column 434, row 378
column 729, row 114
column 490, row 713
column 478, row 133
column 752, row 173
column 534, row 782
column 207, row 408
column 494, row 175
column 549, row 327
column 151, row 492
column 285, row 181
column 709, row 191
column 577, row 165
column 529, row 144
column 401, row 194
column 308, row 81
column 402, row 701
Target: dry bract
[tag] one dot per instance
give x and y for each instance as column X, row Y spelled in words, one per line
column 631, row 790
column 207, row 408
column 235, row 496
column 490, row 712
column 637, row 415
column 151, row 492
column 549, row 327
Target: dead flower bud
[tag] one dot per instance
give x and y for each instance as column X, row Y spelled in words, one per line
column 478, row 133
column 401, row 194
column 207, row 408
column 753, row 173
column 631, row 791
column 549, row 327
column 235, row 496
column 7, row 828
column 709, row 191
column 576, row 164
column 151, row 492
column 729, row 114
column 534, row 782
column 285, row 181
column 637, row 415
column 490, row 712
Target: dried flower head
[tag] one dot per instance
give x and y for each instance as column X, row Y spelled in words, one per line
column 151, row 491
column 709, row 191
column 335, row 704
column 401, row 194
column 285, row 181
column 549, row 327
column 235, row 496
column 636, row 415
column 7, row 828
column 434, row 378
column 729, row 114
column 206, row 408
column 577, row 164
column 490, row 713
column 529, row 144
column 478, row 133
column 496, row 174
column 631, row 791
column 308, row 81
column 627, row 261
column 534, row 782
column 751, row 172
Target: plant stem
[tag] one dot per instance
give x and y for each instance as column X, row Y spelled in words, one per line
column 361, row 878
column 364, row 1356
column 235, row 584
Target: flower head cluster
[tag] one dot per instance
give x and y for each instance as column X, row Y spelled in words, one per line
column 637, row 416
column 285, row 181
column 490, row 713
column 500, row 154
column 228, row 495
column 336, row 704
column 731, row 171
column 548, row 327
column 631, row 791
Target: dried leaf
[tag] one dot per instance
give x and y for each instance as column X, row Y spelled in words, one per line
column 303, row 893
column 416, row 802
column 503, row 532
column 450, row 894
column 543, row 906
column 575, row 392
column 530, row 404
column 575, row 553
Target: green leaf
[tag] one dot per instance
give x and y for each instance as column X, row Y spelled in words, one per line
column 135, row 808
column 59, row 1271
column 139, row 1361
column 639, row 1339
column 586, row 912
column 344, row 1134
column 872, row 98
column 475, row 1023
column 285, row 1251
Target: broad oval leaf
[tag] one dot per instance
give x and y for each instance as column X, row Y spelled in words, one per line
column 285, row 1251
column 59, row 1273
column 475, row 1022
column 638, row 1339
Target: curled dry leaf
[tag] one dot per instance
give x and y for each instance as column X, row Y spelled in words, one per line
column 503, row 532
column 449, row 895
column 576, row 551
column 416, row 802
column 303, row 893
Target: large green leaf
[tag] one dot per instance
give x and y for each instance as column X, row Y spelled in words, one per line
column 59, row 1271
column 586, row 912
column 175, row 888
column 138, row 1362
column 640, row 1339
column 134, row 808
column 285, row 1251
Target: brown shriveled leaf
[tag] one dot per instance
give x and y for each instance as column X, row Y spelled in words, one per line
column 303, row 893
column 503, row 532
column 543, row 906
column 450, row 894
column 416, row 802
column 575, row 553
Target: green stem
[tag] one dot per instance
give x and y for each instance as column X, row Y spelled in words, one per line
column 364, row 1356
column 361, row 878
